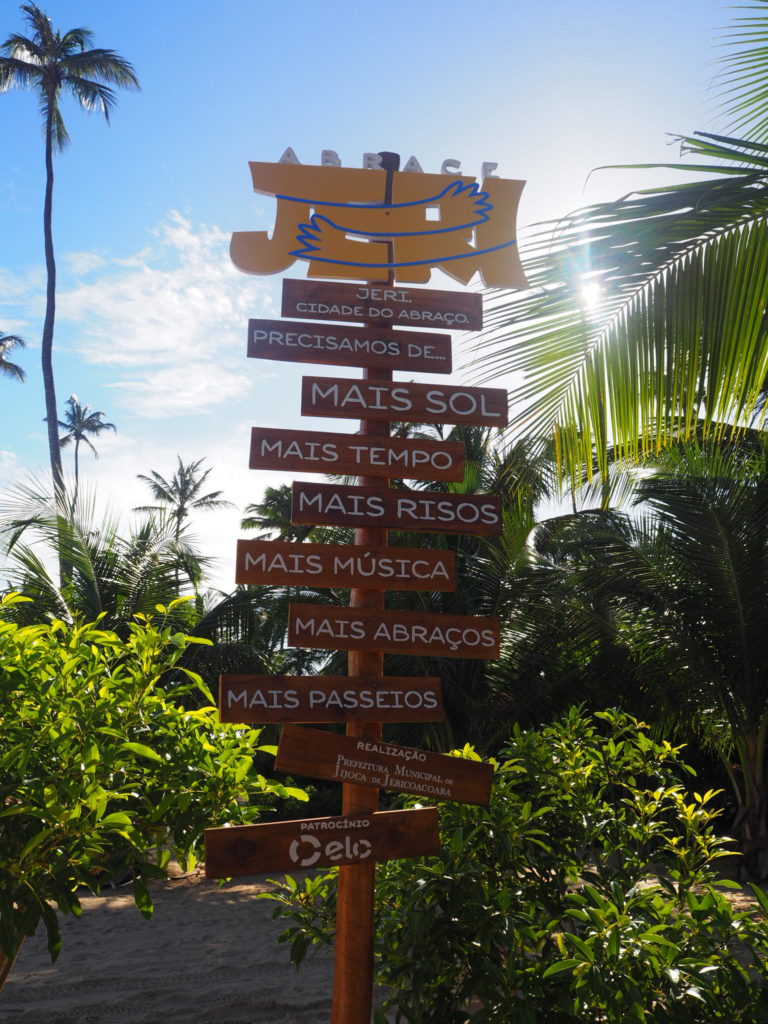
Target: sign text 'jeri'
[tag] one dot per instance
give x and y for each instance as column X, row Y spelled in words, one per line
column 401, row 307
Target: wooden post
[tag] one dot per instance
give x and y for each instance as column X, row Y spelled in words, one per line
column 353, row 970
column 353, row 964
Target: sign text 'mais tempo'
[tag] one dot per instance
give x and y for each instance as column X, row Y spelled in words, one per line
column 308, row 451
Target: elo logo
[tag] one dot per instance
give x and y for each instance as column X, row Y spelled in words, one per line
column 308, row 850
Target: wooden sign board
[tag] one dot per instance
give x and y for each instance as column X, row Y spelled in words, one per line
column 375, row 348
column 337, row 505
column 321, row 842
column 367, row 762
column 285, row 564
column 307, row 451
column 403, row 307
column 260, row 700
column 345, row 398
column 369, row 629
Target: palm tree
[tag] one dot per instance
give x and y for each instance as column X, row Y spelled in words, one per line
column 78, row 422
column 108, row 574
column 647, row 316
column 52, row 63
column 8, row 342
column 665, row 611
column 272, row 516
column 182, row 493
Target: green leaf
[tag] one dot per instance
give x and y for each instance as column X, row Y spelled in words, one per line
column 142, row 751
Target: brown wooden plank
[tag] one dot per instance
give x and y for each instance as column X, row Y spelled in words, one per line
column 286, row 564
column 263, row 699
column 321, row 842
column 404, row 307
column 346, row 398
column 307, row 451
column 339, row 505
column 325, row 755
column 328, row 344
column 363, row 629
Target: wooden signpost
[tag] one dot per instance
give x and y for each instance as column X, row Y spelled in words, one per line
column 321, row 842
column 284, row 564
column 403, row 403
column 377, row 228
column 334, row 505
column 398, row 307
column 307, row 451
column 370, row 629
column 265, row 699
column 322, row 755
column 349, row 346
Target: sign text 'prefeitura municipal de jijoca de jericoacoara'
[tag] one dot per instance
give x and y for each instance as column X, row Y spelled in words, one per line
column 366, row 235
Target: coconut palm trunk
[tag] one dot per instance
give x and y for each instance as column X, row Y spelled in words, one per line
column 49, row 384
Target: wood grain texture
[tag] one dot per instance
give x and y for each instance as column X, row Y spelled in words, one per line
column 283, row 563
column 339, row 505
column 331, row 345
column 308, row 451
column 325, row 755
column 404, row 307
column 321, row 842
column 369, row 629
column 343, row 398
column 260, row 700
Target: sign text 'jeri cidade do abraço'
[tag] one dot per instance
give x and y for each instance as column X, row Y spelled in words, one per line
column 336, row 505
column 370, row 629
column 261, row 700
column 309, row 451
column 382, row 765
column 373, row 348
column 321, row 842
column 395, row 307
column 413, row 403
column 285, row 564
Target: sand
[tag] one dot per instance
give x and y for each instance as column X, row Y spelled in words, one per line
column 208, row 955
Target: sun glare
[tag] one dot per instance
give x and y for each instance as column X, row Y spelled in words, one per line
column 590, row 294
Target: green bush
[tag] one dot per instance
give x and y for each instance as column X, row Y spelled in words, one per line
column 102, row 773
column 586, row 892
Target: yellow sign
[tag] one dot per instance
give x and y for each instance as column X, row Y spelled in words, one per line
column 338, row 220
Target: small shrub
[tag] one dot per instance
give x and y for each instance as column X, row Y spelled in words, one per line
column 102, row 772
column 586, row 892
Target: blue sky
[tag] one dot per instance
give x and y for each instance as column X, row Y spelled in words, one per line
column 151, row 313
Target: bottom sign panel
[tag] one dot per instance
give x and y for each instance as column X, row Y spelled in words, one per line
column 324, row 755
column 321, row 842
column 265, row 699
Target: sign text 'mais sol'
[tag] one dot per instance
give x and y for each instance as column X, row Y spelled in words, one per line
column 413, row 403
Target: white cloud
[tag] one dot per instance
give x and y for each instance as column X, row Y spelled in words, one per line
column 175, row 314
column 83, row 262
